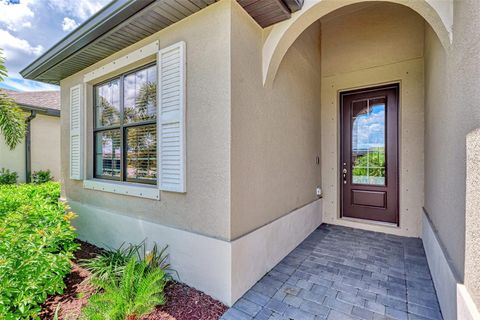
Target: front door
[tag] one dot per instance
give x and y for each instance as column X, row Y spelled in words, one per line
column 369, row 154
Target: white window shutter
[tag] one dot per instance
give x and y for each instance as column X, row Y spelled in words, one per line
column 76, row 126
column 171, row 117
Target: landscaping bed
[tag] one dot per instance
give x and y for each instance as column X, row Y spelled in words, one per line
column 182, row 302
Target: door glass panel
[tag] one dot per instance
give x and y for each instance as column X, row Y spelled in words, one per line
column 368, row 141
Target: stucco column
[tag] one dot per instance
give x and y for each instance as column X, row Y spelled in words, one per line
column 472, row 218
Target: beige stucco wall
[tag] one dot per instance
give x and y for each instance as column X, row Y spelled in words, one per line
column 452, row 112
column 275, row 131
column 204, row 208
column 45, row 148
column 14, row 160
column 472, row 225
column 45, row 144
column 378, row 44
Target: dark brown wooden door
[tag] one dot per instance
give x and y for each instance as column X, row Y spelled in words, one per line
column 369, row 154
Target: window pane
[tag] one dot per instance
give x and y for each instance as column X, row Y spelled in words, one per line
column 142, row 153
column 107, row 104
column 368, row 141
column 140, row 95
column 107, row 155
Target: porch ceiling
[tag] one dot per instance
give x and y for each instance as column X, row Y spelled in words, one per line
column 125, row 22
column 268, row 12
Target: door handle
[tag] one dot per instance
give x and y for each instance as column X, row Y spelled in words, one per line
column 345, row 175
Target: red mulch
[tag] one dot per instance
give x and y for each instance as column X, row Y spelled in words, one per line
column 186, row 303
column 77, row 292
column 183, row 302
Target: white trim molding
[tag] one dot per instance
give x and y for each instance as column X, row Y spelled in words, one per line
column 223, row 269
column 466, row 308
column 201, row 262
column 122, row 62
column 256, row 253
column 443, row 276
column 124, row 188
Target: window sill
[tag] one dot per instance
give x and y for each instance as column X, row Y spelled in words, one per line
column 125, row 188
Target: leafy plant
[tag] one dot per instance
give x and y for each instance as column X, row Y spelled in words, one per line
column 36, row 247
column 57, row 310
column 111, row 264
column 12, row 120
column 135, row 294
column 8, row 177
column 41, row 176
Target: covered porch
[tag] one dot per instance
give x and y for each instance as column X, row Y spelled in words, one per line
column 343, row 82
column 344, row 273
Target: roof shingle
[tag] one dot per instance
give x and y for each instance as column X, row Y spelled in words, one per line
column 42, row 99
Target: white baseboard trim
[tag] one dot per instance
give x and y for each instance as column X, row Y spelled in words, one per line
column 256, row 253
column 225, row 270
column 466, row 308
column 443, row 275
column 202, row 262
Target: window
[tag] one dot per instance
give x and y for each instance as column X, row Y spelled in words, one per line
column 125, row 131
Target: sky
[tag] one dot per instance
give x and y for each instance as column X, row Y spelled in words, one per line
column 369, row 129
column 28, row 28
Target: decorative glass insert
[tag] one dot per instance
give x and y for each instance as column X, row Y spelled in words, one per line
column 125, row 131
column 368, row 141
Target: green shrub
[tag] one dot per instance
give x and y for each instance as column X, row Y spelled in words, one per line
column 138, row 290
column 111, row 264
column 8, row 177
column 41, row 176
column 36, row 246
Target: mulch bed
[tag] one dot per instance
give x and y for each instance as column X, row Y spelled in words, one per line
column 183, row 302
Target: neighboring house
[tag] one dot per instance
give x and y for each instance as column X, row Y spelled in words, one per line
column 41, row 148
column 231, row 130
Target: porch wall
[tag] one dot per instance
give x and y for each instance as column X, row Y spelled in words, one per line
column 275, row 131
column 452, row 100
column 376, row 44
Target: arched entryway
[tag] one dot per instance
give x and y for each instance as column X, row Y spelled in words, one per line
column 364, row 45
column 438, row 14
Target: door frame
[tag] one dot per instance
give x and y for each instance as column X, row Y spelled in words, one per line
column 391, row 85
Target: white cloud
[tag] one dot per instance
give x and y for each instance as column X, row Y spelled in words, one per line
column 15, row 16
column 69, row 24
column 81, row 9
column 13, row 45
column 16, row 82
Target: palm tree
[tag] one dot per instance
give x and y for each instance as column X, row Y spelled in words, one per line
column 12, row 122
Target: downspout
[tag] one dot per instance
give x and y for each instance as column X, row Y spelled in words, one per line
column 28, row 151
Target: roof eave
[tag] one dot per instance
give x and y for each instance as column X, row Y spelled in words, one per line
column 102, row 22
column 41, row 110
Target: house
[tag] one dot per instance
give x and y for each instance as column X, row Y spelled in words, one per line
column 230, row 130
column 41, row 148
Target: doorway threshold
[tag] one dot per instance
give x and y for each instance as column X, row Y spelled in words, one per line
column 371, row 222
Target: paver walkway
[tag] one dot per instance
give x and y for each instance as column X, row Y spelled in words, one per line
column 345, row 273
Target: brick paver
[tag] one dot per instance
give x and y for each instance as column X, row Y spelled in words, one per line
column 345, row 273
